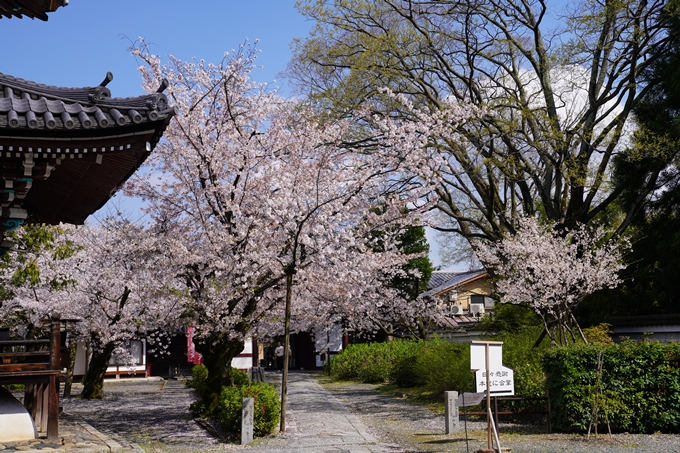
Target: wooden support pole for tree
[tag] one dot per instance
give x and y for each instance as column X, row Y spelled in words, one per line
column 488, row 399
column 286, row 348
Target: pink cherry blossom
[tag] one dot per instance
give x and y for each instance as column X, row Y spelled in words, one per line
column 552, row 273
column 247, row 189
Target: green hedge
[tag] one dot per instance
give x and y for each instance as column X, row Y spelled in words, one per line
column 637, row 390
column 521, row 354
column 372, row 362
column 437, row 365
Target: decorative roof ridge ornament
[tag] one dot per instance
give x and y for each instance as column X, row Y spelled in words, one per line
column 164, row 84
column 107, row 79
column 101, row 92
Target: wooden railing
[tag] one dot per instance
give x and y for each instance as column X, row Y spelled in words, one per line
column 35, row 363
column 495, row 400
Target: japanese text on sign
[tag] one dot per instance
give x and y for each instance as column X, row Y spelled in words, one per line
column 501, row 382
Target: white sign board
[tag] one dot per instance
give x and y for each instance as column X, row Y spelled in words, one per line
column 501, row 381
column 478, row 355
column 470, row 399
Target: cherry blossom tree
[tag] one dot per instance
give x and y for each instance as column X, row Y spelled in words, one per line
column 260, row 199
column 552, row 272
column 110, row 277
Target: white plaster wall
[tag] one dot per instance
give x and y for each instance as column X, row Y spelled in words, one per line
column 244, row 363
column 327, row 341
column 79, row 367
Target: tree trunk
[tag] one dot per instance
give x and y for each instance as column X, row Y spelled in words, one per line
column 93, row 383
column 72, row 350
column 217, row 352
column 422, row 329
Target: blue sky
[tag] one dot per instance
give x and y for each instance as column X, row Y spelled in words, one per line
column 81, row 42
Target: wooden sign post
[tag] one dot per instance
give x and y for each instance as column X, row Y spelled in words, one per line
column 487, row 355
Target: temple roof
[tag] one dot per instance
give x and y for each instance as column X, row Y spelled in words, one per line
column 34, row 110
column 65, row 151
column 35, row 9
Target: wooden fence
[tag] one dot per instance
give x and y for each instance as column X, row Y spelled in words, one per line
column 495, row 400
column 35, row 363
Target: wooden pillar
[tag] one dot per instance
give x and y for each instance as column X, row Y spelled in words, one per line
column 29, row 399
column 51, row 394
column 38, row 412
column 45, row 410
column 55, row 343
column 53, row 408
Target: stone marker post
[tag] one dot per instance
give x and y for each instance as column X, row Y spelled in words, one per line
column 452, row 419
column 247, row 414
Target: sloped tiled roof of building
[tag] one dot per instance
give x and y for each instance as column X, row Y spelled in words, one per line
column 442, row 281
column 440, row 277
column 455, row 321
column 36, row 110
column 65, row 151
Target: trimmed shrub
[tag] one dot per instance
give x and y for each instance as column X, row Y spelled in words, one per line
column 199, row 379
column 635, row 386
column 442, row 365
column 372, row 362
column 438, row 365
column 239, row 377
column 404, row 372
column 267, row 407
column 520, row 354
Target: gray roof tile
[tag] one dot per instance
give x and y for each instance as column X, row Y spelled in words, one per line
column 38, row 109
column 441, row 281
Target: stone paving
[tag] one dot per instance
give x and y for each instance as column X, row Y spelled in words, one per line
column 146, row 416
column 152, row 416
column 75, row 436
column 318, row 422
column 139, row 415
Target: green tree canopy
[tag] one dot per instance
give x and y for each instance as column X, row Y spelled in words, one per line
column 651, row 286
column 558, row 88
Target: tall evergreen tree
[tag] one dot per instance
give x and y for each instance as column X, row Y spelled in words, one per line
column 651, row 286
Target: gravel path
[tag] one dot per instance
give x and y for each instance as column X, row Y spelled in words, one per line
column 155, row 417
column 417, row 429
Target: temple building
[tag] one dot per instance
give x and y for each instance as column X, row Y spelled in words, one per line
column 65, row 151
